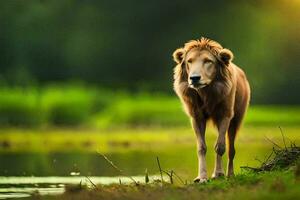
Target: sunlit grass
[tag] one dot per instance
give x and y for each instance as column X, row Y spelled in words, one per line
column 95, row 108
column 123, row 139
column 274, row 185
column 126, row 145
column 279, row 115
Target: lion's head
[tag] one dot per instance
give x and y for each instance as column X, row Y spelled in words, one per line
column 200, row 62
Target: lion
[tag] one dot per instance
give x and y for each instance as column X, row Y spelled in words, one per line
column 211, row 86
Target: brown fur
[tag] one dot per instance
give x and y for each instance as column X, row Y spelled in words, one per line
column 224, row 100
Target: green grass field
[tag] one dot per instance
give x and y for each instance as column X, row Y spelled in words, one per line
column 273, row 185
column 78, row 106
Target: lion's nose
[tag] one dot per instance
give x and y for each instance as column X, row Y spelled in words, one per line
column 195, row 79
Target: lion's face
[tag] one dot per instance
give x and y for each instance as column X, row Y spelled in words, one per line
column 201, row 67
column 199, row 62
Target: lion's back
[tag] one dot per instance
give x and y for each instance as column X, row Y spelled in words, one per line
column 242, row 96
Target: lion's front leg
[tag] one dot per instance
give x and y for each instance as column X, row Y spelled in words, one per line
column 199, row 126
column 220, row 147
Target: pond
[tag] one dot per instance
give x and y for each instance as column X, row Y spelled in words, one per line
column 24, row 173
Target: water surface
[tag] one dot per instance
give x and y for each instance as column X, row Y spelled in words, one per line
column 24, row 172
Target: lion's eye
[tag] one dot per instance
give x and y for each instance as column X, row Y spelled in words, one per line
column 190, row 61
column 207, row 61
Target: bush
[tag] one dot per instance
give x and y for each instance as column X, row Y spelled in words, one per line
column 19, row 107
column 77, row 105
column 273, row 115
column 53, row 105
column 143, row 110
column 67, row 106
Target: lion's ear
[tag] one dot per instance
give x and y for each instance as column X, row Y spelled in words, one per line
column 226, row 56
column 178, row 55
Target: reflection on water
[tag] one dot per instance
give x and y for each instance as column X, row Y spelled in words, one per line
column 17, row 187
column 21, row 191
column 92, row 164
column 22, row 174
column 182, row 159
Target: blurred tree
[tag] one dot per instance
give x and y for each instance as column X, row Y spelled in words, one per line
column 129, row 44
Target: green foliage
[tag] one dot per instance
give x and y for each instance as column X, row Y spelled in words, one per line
column 276, row 115
column 78, row 105
column 143, row 110
column 46, row 41
column 53, row 106
column 19, row 107
column 68, row 106
column 161, row 110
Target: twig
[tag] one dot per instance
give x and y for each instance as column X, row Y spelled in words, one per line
column 95, row 186
column 269, row 157
column 272, row 142
column 146, row 176
column 171, row 176
column 258, row 160
column 111, row 163
column 80, row 184
column 283, row 138
column 158, row 163
column 118, row 169
column 251, row 168
column 178, row 177
column 292, row 143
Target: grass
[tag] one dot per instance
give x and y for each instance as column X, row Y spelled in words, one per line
column 18, row 107
column 71, row 105
column 270, row 185
column 114, row 140
column 279, row 115
column 54, row 105
column 68, row 106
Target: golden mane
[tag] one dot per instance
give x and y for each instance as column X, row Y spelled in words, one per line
column 204, row 43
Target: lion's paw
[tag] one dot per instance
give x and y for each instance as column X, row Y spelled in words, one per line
column 200, row 180
column 217, row 175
